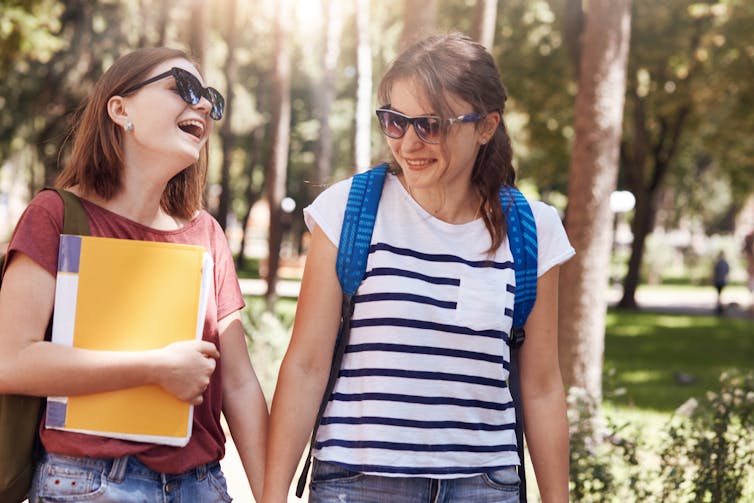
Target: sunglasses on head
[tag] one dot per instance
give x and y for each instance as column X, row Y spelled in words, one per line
column 190, row 90
column 428, row 127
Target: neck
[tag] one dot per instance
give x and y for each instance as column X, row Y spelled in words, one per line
column 452, row 206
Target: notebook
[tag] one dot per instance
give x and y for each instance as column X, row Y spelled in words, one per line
column 127, row 295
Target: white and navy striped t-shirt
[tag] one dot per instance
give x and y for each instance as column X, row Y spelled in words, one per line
column 422, row 388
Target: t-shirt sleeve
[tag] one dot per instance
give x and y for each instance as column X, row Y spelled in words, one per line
column 228, row 291
column 328, row 209
column 552, row 241
column 37, row 233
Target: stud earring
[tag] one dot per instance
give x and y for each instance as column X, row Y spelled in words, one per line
column 129, row 126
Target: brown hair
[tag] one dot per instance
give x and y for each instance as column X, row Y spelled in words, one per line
column 96, row 162
column 455, row 64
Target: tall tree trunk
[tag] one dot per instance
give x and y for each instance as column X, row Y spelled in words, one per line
column 593, row 177
column 227, row 138
column 326, row 95
column 275, row 177
column 362, row 137
column 418, row 21
column 198, row 27
column 645, row 180
column 251, row 193
column 485, row 16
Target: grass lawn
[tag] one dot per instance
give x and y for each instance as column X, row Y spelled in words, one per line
column 646, row 353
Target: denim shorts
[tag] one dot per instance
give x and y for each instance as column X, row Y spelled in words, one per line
column 60, row 479
column 331, row 482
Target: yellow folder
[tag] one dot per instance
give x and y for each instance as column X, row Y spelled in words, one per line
column 127, row 295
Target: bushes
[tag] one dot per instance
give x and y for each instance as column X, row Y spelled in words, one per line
column 704, row 453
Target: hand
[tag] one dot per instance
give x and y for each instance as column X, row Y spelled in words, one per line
column 185, row 368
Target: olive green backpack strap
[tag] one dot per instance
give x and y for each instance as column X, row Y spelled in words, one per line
column 20, row 415
column 75, row 220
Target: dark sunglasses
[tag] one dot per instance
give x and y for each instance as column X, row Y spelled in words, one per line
column 190, row 90
column 428, row 127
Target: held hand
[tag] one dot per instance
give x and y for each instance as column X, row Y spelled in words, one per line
column 185, row 369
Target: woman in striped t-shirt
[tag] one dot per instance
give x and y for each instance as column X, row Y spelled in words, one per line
column 421, row 410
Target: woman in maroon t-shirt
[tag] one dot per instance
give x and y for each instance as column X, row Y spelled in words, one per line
column 138, row 163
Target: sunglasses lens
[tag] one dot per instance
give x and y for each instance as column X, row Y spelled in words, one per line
column 188, row 86
column 428, row 128
column 191, row 90
column 218, row 103
column 392, row 124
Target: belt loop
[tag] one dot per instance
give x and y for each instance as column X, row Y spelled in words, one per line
column 201, row 472
column 118, row 469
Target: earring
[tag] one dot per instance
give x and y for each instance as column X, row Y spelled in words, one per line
column 129, row 126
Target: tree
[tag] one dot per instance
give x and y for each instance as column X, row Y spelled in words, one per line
column 419, row 20
column 669, row 105
column 227, row 138
column 275, row 177
column 593, row 177
column 327, row 89
column 485, row 15
column 362, row 135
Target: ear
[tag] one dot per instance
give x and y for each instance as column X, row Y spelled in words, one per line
column 488, row 126
column 116, row 109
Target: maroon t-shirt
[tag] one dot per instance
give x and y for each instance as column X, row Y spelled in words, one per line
column 37, row 234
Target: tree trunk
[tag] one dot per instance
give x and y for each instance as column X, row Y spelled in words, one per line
column 227, row 138
column 198, row 27
column 251, row 193
column 485, row 15
column 362, row 137
column 593, row 177
column 326, row 95
column 418, row 21
column 275, row 178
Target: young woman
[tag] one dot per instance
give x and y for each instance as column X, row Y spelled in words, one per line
column 138, row 163
column 420, row 411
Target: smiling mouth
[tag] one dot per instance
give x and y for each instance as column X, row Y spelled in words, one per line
column 193, row 127
column 419, row 163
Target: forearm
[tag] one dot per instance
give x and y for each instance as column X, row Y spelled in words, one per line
column 548, row 443
column 245, row 410
column 294, row 410
column 46, row 369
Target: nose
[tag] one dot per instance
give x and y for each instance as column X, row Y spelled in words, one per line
column 203, row 105
column 411, row 140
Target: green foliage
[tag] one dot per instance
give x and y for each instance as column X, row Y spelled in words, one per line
column 268, row 335
column 704, row 453
column 710, row 452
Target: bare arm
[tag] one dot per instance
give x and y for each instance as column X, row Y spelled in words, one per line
column 29, row 365
column 305, row 368
column 244, row 405
column 543, row 394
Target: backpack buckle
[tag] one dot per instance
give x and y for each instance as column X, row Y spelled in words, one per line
column 517, row 336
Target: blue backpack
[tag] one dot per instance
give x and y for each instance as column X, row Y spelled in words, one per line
column 353, row 251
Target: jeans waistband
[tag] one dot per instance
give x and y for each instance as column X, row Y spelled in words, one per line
column 116, row 469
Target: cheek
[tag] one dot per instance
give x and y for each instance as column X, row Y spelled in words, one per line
column 394, row 145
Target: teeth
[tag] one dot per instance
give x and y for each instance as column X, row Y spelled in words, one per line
column 193, row 123
column 417, row 163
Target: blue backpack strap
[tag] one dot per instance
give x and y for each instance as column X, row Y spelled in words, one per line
column 351, row 265
column 358, row 223
column 522, row 237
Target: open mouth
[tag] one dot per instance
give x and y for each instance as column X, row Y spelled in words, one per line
column 193, row 127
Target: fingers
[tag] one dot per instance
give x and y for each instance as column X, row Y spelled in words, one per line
column 208, row 349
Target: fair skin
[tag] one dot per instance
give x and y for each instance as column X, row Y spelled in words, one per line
column 439, row 179
column 155, row 151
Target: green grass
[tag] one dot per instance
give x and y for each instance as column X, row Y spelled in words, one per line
column 644, row 351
